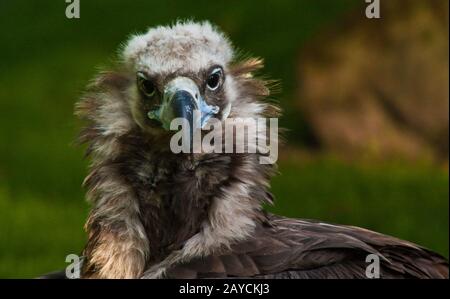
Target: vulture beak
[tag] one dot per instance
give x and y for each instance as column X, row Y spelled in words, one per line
column 182, row 99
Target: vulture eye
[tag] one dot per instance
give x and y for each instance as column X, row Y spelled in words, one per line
column 146, row 86
column 214, row 79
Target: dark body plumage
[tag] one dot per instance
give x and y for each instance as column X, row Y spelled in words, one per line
column 279, row 247
column 294, row 248
column 157, row 214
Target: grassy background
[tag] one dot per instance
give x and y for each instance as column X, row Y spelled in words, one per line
column 46, row 62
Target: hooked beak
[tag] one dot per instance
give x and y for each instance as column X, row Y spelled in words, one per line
column 182, row 99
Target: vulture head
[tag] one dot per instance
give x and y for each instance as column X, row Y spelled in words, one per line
column 156, row 213
column 178, row 70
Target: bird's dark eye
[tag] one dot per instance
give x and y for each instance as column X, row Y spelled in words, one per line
column 146, row 86
column 214, row 79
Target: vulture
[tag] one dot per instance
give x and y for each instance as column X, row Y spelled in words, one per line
column 160, row 214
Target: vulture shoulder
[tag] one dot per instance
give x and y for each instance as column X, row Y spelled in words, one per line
column 294, row 248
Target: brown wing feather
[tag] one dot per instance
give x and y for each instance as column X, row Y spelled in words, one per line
column 293, row 248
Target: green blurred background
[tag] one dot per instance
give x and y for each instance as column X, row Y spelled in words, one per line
column 47, row 59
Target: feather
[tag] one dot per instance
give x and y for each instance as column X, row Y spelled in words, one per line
column 295, row 248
